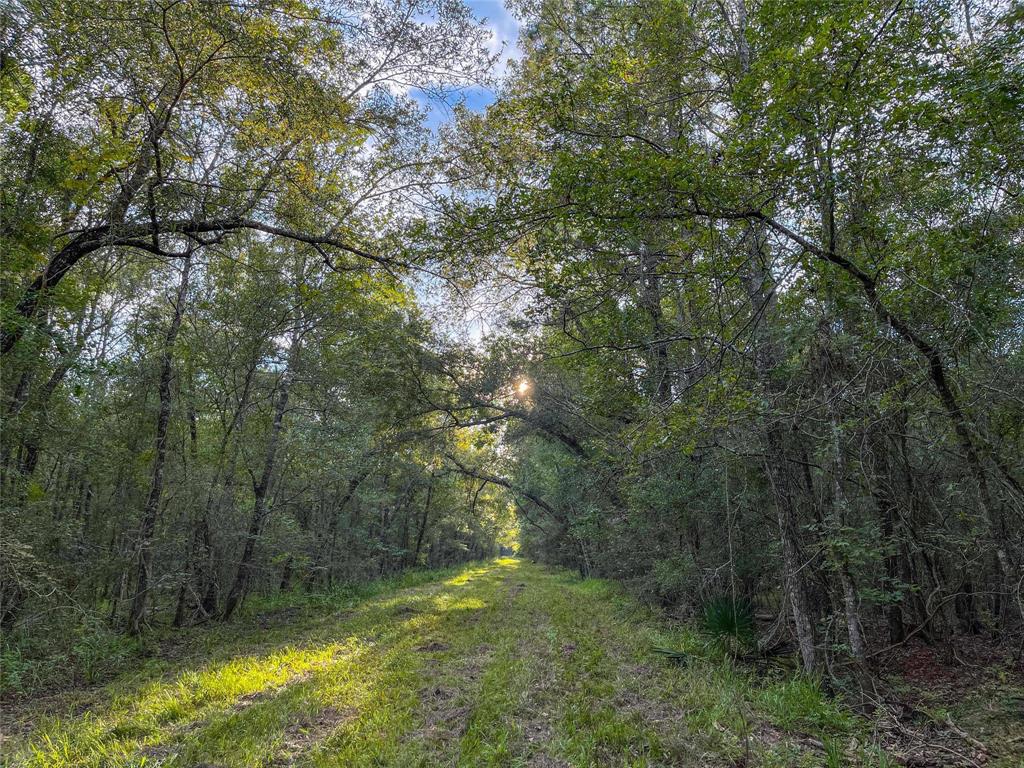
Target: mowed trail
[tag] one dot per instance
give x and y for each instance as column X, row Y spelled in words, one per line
column 506, row 664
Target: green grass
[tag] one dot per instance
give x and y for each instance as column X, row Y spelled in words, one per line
column 499, row 664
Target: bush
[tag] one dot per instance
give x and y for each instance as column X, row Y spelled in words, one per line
column 80, row 649
column 799, row 702
column 730, row 623
column 673, row 578
column 100, row 652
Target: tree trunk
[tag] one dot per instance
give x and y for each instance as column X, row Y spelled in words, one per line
column 143, row 576
column 325, row 557
column 261, row 489
column 423, row 521
column 658, row 383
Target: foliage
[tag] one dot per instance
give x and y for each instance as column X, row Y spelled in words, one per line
column 731, row 623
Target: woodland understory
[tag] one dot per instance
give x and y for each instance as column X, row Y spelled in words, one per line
column 719, row 299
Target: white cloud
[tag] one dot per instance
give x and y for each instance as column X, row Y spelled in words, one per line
column 504, row 29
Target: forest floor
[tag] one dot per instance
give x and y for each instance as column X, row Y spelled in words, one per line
column 502, row 664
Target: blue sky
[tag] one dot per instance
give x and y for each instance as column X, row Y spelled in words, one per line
column 473, row 321
column 504, row 40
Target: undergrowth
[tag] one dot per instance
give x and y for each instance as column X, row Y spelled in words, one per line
column 72, row 647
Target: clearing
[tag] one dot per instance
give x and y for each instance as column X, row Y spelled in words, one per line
column 504, row 664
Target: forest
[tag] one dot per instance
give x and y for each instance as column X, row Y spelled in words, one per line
column 718, row 300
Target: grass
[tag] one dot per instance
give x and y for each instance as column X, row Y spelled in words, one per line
column 500, row 664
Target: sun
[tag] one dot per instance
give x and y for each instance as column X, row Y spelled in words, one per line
column 523, row 387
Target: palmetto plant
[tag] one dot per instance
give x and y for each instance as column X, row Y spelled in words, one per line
column 730, row 624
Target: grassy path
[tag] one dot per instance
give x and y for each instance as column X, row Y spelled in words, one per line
column 505, row 664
